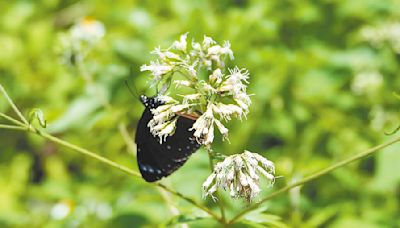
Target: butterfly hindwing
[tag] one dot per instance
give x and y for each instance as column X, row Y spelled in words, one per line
column 157, row 160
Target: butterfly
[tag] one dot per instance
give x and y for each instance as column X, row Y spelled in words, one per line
column 157, row 160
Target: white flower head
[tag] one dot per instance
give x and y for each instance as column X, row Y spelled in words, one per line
column 157, row 69
column 165, row 55
column 207, row 42
column 240, row 175
column 204, row 127
column 80, row 40
column 219, row 96
column 181, row 44
column 88, row 30
column 367, row 82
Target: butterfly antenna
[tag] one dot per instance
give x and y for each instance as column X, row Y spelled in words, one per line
column 132, row 91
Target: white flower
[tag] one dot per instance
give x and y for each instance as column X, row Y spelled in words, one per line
column 60, row 210
column 157, row 69
column 208, row 92
column 243, row 100
column 191, row 97
column 207, row 42
column 367, row 82
column 216, row 76
column 224, row 131
column 226, row 50
column 240, row 175
column 167, row 99
column 239, row 75
column 227, row 110
column 88, row 30
column 181, row 44
column 162, row 129
column 203, row 126
column 164, row 120
column 166, row 55
column 191, row 69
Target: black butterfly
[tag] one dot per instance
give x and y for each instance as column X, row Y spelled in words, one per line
column 157, row 160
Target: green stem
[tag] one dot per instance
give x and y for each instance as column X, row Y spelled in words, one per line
column 205, row 209
column 118, row 166
column 27, row 127
column 9, row 118
column 85, row 152
column 14, row 107
column 315, row 176
column 220, row 204
column 12, row 127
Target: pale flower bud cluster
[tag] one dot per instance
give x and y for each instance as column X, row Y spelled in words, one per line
column 240, row 175
column 88, row 30
column 164, row 120
column 80, row 39
column 219, row 93
column 367, row 82
column 388, row 32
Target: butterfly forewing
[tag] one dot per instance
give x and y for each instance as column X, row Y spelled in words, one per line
column 157, row 160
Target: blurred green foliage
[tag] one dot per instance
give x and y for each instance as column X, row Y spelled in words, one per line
column 322, row 72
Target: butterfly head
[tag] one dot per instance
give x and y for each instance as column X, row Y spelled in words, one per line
column 151, row 102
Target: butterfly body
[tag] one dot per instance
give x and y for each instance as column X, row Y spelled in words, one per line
column 157, row 160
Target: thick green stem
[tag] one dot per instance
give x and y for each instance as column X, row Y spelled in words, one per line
column 315, row 176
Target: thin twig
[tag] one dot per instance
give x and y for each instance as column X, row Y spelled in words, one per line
column 118, row 166
column 315, row 176
column 85, row 152
column 12, row 127
column 205, row 209
column 14, row 107
column 9, row 118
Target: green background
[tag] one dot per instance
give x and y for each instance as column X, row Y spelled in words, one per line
column 309, row 61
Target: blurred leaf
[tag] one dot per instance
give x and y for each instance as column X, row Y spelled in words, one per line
column 258, row 217
column 79, row 115
column 179, row 219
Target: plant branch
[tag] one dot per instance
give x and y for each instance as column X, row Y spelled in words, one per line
column 14, row 107
column 84, row 152
column 117, row 166
column 9, row 118
column 12, row 127
column 315, row 176
column 205, row 209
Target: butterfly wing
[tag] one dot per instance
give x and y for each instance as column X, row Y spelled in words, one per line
column 157, row 160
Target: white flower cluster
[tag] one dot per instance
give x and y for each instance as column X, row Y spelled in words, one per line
column 240, row 175
column 367, row 82
column 218, row 93
column 79, row 40
column 387, row 32
column 88, row 30
column 165, row 117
